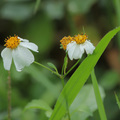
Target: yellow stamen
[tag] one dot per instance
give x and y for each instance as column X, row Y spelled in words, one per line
column 65, row 41
column 80, row 38
column 12, row 42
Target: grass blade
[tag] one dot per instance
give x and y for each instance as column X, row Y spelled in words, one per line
column 118, row 102
column 98, row 97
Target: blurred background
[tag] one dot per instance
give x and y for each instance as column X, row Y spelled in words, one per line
column 45, row 23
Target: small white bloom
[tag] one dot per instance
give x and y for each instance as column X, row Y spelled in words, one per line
column 75, row 51
column 18, row 50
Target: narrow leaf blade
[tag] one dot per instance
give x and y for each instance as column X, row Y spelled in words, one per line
column 98, row 97
column 118, row 102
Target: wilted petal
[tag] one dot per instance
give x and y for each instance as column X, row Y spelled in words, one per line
column 77, row 53
column 88, row 46
column 22, row 57
column 70, row 49
column 7, row 58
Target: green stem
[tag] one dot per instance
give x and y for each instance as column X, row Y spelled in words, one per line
column 9, row 96
column 100, row 105
column 47, row 68
column 64, row 65
column 63, row 84
column 36, row 6
column 117, row 8
column 72, row 67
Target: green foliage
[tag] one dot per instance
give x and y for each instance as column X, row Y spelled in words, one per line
column 82, row 107
column 80, row 76
column 52, row 89
column 118, row 102
column 45, row 22
column 53, row 66
column 38, row 104
column 98, row 97
column 85, row 103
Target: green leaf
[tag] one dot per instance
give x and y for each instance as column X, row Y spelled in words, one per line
column 52, row 66
column 80, row 76
column 118, row 102
column 100, row 105
column 42, row 79
column 84, row 109
column 38, row 104
column 17, row 114
column 85, row 103
column 48, row 113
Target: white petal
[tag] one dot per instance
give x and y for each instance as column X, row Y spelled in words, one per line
column 88, row 46
column 81, row 48
column 7, row 58
column 29, row 45
column 78, row 52
column 22, row 57
column 75, row 51
column 24, row 40
column 70, row 49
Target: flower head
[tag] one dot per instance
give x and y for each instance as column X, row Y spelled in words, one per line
column 65, row 41
column 18, row 50
column 12, row 42
column 77, row 45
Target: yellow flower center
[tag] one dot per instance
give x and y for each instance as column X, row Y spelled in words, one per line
column 80, row 38
column 12, row 42
column 65, row 41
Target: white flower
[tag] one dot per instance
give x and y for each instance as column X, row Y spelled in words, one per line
column 77, row 45
column 75, row 51
column 18, row 50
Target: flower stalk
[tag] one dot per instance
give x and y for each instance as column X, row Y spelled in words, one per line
column 63, row 83
column 54, row 72
column 9, row 96
column 72, row 67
